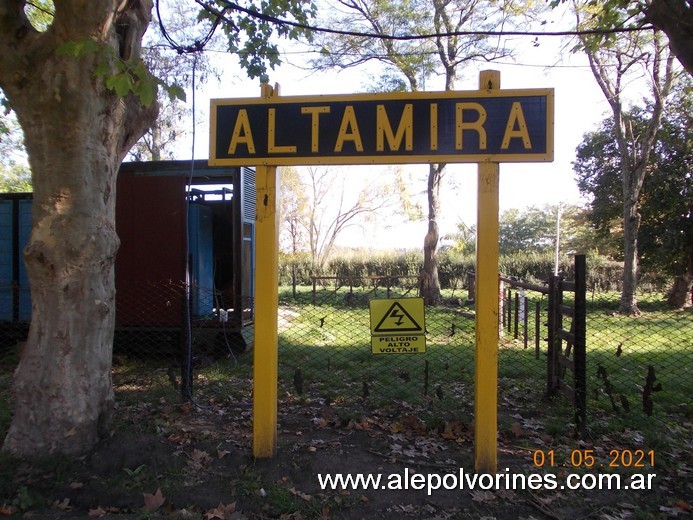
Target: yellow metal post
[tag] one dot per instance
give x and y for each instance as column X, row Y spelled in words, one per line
column 486, row 357
column 266, row 356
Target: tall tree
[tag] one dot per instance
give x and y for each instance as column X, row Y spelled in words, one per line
column 175, row 29
column 617, row 61
column 293, row 205
column 14, row 171
column 533, row 229
column 320, row 207
column 409, row 64
column 83, row 97
column 673, row 17
column 666, row 231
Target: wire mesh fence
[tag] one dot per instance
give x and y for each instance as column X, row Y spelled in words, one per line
column 638, row 367
column 325, row 353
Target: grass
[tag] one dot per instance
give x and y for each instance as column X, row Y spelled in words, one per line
column 330, row 342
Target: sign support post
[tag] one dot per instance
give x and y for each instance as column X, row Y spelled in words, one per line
column 486, row 353
column 266, row 354
column 487, row 127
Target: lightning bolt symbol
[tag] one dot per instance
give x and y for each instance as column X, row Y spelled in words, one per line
column 395, row 314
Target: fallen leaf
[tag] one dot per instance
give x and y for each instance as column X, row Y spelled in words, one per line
column 76, row 485
column 222, row 453
column 64, row 505
column 153, row 502
column 200, row 457
column 482, row 496
column 517, row 430
column 300, row 494
column 69, row 433
column 6, row 510
column 96, row 513
column 223, row 512
column 682, row 504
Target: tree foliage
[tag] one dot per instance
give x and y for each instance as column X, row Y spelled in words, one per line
column 320, row 203
column 15, row 175
column 673, row 17
column 410, row 64
column 83, row 96
column 666, row 230
column 618, row 62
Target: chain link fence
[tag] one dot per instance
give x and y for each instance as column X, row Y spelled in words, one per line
column 638, row 368
column 325, row 354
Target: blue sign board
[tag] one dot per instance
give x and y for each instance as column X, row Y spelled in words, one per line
column 409, row 127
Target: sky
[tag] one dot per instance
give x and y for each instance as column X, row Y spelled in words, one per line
column 579, row 107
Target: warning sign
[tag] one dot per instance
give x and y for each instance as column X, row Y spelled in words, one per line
column 405, row 315
column 397, row 326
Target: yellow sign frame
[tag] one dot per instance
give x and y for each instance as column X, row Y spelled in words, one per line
column 398, row 326
column 265, row 379
column 312, row 108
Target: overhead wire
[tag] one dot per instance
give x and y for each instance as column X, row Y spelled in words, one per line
column 194, row 48
column 411, row 37
column 197, row 45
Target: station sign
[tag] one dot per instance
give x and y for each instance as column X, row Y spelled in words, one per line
column 385, row 128
column 398, row 326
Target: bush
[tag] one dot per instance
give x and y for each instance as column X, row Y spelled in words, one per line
column 603, row 274
column 295, row 268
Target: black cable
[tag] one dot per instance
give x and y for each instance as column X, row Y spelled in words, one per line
column 187, row 370
column 412, row 37
column 197, row 45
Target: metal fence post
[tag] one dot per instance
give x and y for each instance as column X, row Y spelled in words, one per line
column 551, row 338
column 580, row 351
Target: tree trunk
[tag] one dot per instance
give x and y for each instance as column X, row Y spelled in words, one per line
column 680, row 295
column 631, row 227
column 430, row 284
column 76, row 134
column 675, row 18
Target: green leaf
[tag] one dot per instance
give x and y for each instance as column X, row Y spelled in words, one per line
column 174, row 91
column 145, row 89
column 77, row 49
column 120, row 83
column 102, row 68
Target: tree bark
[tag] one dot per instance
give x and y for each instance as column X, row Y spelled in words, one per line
column 675, row 18
column 430, row 283
column 680, row 295
column 631, row 227
column 76, row 134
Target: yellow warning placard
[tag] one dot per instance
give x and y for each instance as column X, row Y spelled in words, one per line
column 398, row 326
column 401, row 316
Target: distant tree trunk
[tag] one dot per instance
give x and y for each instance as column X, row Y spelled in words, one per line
column 76, row 133
column 680, row 295
column 430, row 284
column 610, row 65
column 631, row 228
column 156, row 142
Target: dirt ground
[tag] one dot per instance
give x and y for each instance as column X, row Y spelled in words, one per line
column 178, row 461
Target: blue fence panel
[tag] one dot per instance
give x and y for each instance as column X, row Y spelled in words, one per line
column 24, row 231
column 6, row 248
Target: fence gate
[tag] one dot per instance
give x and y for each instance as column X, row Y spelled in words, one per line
column 566, row 343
